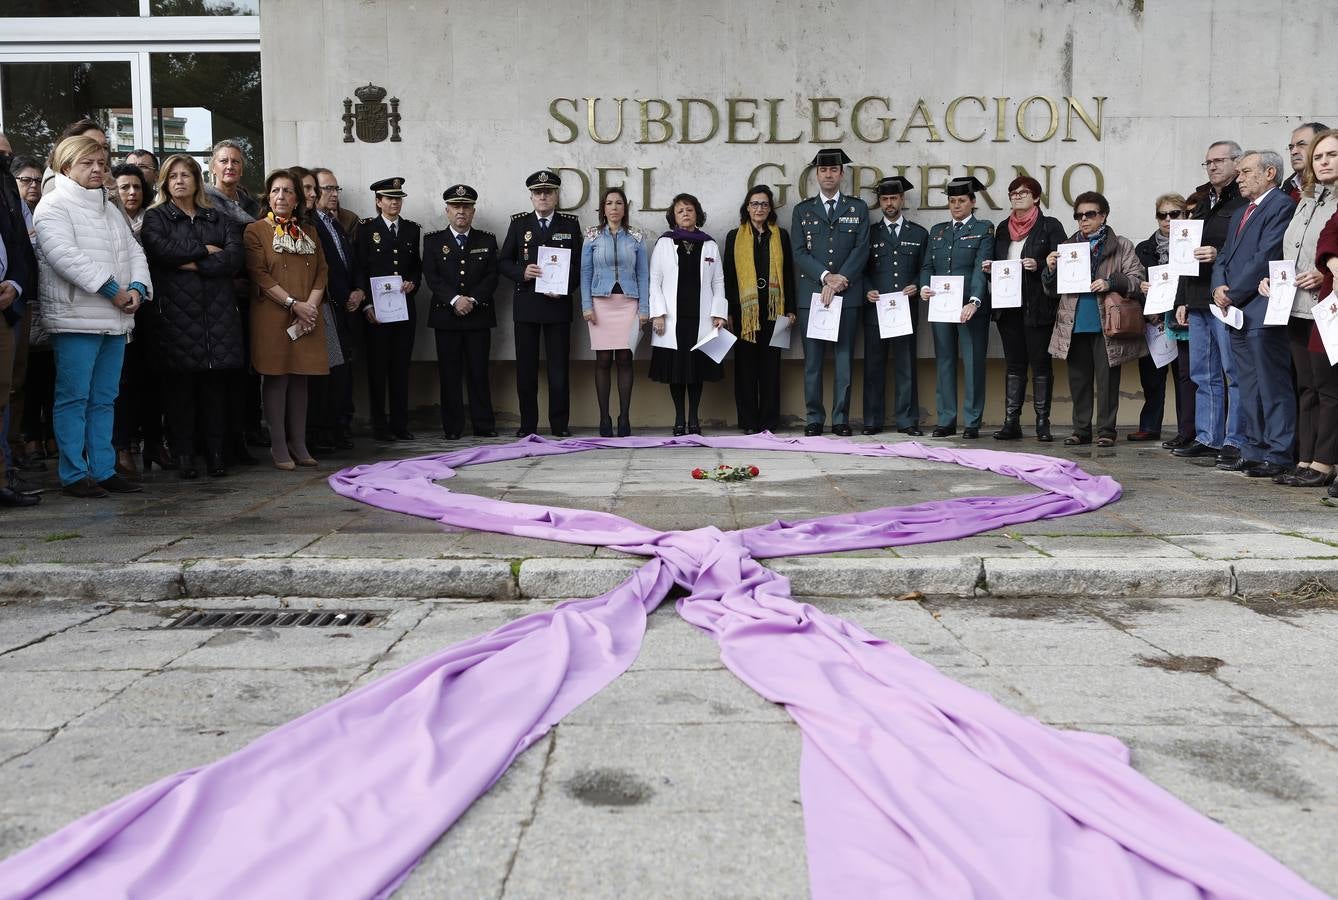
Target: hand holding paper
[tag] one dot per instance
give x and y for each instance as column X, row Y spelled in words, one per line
column 946, row 304
column 1161, row 294
column 388, row 299
column 555, row 267
column 1281, row 291
column 1074, row 275
column 824, row 322
column 894, row 315
column 1006, row 284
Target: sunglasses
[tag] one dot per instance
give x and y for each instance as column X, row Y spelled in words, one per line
column 1169, row 214
column 1085, row 215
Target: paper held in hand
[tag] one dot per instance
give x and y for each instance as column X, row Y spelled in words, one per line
column 1186, row 237
column 1281, row 291
column 780, row 335
column 894, row 315
column 1231, row 315
column 388, row 299
column 946, row 304
column 1160, row 344
column 824, row 322
column 1161, row 291
column 1326, row 320
column 1006, row 284
column 1074, row 268
column 716, row 343
column 555, row 268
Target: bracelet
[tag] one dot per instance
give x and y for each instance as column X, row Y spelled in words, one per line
column 290, row 304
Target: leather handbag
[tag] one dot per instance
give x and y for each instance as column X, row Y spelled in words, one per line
column 1121, row 316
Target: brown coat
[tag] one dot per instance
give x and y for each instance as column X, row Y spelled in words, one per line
column 1120, row 268
column 272, row 353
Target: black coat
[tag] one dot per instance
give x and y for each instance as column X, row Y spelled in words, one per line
column 521, row 247
column 196, row 324
column 760, row 261
column 18, row 247
column 451, row 272
column 378, row 255
column 343, row 279
column 1038, row 307
column 1196, row 291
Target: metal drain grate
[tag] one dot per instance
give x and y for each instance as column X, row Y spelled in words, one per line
column 276, row 618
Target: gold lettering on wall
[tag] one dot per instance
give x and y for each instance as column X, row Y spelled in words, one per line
column 884, row 121
column 574, row 131
column 685, row 134
column 1075, row 107
column 661, row 119
column 773, row 118
column 1022, row 119
column 818, row 119
column 735, row 117
column 591, row 113
column 950, row 119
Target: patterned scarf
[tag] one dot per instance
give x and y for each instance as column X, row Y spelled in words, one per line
column 288, row 236
column 746, row 268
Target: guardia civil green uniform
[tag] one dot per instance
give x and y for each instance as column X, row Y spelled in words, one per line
column 960, row 248
column 829, row 237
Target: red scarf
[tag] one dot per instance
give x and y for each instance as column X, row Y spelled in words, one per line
column 1018, row 227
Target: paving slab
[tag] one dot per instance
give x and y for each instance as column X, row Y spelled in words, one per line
column 207, row 546
column 1253, row 546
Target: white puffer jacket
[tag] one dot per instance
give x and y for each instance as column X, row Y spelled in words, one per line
column 82, row 241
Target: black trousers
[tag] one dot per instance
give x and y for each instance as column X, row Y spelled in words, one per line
column 197, row 401
column 139, row 406
column 1317, row 396
column 757, row 383
column 1089, row 368
column 1024, row 346
column 462, row 359
column 906, row 387
column 326, row 399
column 389, row 349
column 556, row 337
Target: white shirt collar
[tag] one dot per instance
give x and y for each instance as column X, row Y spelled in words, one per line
column 457, row 234
column 826, row 199
column 898, row 221
column 389, row 223
column 1260, row 199
column 966, row 221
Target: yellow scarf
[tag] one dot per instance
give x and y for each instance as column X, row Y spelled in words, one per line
column 746, row 273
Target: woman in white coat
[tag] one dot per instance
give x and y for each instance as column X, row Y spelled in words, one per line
column 93, row 278
column 687, row 300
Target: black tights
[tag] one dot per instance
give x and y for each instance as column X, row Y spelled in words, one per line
column 694, row 392
column 603, row 364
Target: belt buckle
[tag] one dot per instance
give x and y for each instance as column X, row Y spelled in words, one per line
column 762, row 284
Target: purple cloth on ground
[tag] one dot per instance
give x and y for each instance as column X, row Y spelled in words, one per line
column 913, row 785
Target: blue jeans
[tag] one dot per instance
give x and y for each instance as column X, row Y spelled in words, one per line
column 1213, row 370
column 88, row 376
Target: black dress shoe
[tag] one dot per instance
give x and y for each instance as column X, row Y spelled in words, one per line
column 871, row 429
column 912, row 430
column 522, row 431
column 451, row 435
column 943, row 431
column 1143, row 436
column 11, row 497
column 404, row 434
column 1309, row 477
column 383, row 436
column 1228, row 455
column 841, row 430
column 1175, row 442
column 84, row 489
column 561, row 433
column 119, row 484
column 970, row 433
column 486, row 433
column 1239, row 465
column 1194, row 450
column 214, row 465
column 1264, row 470
column 812, row 430
column 624, row 427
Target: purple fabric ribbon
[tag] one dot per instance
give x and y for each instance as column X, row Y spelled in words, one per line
column 913, row 785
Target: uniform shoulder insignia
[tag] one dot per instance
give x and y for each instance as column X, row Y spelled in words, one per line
column 366, row 220
column 519, row 215
column 435, row 233
column 410, row 222
column 488, row 233
column 569, row 216
column 592, row 232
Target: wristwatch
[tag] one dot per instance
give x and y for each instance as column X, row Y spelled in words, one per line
column 976, row 301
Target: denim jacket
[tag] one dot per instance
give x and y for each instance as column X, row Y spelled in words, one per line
column 598, row 267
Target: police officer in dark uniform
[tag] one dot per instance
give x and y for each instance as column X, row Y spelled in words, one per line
column 829, row 233
column 896, row 246
column 960, row 246
column 542, row 316
column 387, row 244
column 460, row 267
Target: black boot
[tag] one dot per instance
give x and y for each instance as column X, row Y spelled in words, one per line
column 1015, row 389
column 1040, row 386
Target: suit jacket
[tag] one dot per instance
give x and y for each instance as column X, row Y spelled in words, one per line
column 950, row 252
column 378, row 253
column 451, row 272
column 521, row 247
column 1243, row 261
column 1194, row 291
column 21, row 262
column 894, row 265
column 343, row 278
column 840, row 246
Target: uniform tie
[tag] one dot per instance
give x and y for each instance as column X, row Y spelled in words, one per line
column 831, row 209
column 395, row 229
column 460, row 239
column 893, row 230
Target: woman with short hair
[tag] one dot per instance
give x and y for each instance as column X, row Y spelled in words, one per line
column 93, row 279
column 1094, row 359
column 687, row 299
column 1155, row 251
column 760, row 290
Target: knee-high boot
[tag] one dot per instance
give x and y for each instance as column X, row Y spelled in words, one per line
column 1015, row 388
column 1040, row 386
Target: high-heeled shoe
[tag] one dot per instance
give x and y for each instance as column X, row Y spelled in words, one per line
column 606, row 427
column 186, row 467
column 303, row 458
column 694, row 428
column 125, row 466
column 624, row 427
column 157, row 455
column 286, row 465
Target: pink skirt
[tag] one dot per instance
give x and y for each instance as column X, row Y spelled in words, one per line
column 615, row 316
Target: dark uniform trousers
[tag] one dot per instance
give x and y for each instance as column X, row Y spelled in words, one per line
column 894, row 263
column 832, row 241
column 541, row 320
column 389, row 344
column 463, row 341
column 960, row 251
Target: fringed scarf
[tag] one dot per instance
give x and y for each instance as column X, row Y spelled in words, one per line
column 288, row 236
column 745, row 266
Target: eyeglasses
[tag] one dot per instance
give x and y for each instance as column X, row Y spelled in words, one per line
column 1085, row 215
column 1169, row 214
column 331, row 189
column 29, row 179
column 1219, row 161
column 1016, row 194
column 758, row 204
